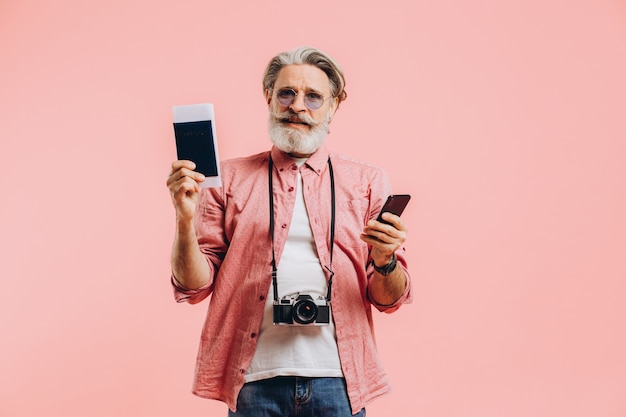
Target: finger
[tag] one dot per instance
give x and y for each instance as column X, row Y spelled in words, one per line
column 177, row 170
column 379, row 248
column 384, row 233
column 184, row 188
column 374, row 227
column 182, row 163
column 184, row 172
column 183, row 175
column 378, row 237
column 185, row 167
column 396, row 221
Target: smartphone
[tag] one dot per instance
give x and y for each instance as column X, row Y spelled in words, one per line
column 395, row 204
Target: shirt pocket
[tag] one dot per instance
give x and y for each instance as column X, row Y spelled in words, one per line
column 353, row 213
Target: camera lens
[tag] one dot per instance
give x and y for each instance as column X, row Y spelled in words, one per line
column 304, row 311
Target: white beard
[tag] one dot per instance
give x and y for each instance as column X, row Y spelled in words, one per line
column 291, row 140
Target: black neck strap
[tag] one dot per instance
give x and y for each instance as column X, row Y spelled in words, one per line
column 332, row 228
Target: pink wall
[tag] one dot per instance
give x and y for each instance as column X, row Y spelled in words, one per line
column 506, row 120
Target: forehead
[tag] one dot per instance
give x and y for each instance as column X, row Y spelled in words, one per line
column 303, row 77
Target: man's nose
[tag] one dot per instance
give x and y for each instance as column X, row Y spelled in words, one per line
column 298, row 105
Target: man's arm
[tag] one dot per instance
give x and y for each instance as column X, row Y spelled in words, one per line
column 385, row 239
column 189, row 265
column 386, row 290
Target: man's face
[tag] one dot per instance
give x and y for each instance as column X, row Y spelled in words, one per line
column 295, row 128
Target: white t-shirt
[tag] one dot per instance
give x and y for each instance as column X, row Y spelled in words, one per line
column 285, row 350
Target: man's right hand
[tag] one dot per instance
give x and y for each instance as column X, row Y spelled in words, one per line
column 183, row 184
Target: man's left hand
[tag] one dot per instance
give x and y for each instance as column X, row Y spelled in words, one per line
column 384, row 238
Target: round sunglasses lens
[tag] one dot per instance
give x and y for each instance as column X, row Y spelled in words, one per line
column 313, row 101
column 285, row 97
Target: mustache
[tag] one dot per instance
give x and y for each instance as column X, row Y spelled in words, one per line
column 289, row 116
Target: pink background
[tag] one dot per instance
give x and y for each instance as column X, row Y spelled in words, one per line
column 506, row 120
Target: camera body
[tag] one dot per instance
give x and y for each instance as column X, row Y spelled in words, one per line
column 302, row 310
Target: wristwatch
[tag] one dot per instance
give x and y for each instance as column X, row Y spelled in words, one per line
column 386, row 269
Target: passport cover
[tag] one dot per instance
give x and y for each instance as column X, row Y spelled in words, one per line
column 195, row 142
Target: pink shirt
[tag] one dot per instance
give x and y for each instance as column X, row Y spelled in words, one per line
column 232, row 226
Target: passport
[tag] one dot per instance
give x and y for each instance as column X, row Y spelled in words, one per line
column 194, row 130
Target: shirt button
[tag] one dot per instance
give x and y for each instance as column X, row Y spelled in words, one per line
column 294, row 167
column 290, row 189
column 284, row 226
column 253, row 335
column 242, row 371
column 262, row 297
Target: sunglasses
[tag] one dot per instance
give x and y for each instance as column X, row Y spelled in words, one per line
column 312, row 101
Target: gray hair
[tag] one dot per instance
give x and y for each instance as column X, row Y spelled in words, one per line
column 310, row 56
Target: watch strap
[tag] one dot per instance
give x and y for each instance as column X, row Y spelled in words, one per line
column 388, row 268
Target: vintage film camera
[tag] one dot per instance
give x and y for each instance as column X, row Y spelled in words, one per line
column 302, row 310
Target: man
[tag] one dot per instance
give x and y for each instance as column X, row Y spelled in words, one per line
column 293, row 258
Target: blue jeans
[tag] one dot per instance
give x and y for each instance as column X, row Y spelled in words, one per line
column 294, row 397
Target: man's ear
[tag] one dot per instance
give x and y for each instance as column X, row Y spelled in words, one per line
column 333, row 107
column 268, row 96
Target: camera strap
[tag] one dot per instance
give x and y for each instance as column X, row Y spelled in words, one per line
column 332, row 228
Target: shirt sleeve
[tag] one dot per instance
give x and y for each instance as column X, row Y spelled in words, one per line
column 183, row 294
column 380, row 189
column 208, row 223
column 405, row 298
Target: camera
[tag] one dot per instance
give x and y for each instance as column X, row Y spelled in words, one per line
column 301, row 311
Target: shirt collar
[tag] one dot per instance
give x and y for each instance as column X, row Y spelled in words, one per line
column 316, row 162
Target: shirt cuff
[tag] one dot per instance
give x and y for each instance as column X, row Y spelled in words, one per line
column 183, row 294
column 405, row 298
